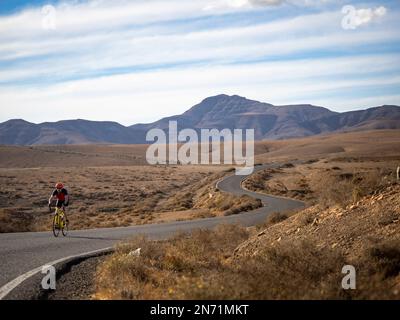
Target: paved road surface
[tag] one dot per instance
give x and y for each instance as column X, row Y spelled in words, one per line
column 22, row 252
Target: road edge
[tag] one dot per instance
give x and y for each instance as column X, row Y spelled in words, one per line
column 60, row 264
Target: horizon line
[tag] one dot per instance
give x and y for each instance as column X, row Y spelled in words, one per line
column 214, row 96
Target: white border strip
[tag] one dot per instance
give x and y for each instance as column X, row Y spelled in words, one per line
column 7, row 288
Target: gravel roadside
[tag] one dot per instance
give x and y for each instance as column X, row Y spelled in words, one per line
column 77, row 283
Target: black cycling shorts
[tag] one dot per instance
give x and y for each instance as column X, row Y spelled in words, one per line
column 61, row 203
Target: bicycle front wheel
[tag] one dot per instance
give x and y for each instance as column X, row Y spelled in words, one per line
column 64, row 228
column 56, row 225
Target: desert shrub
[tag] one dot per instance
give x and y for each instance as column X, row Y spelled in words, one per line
column 225, row 203
column 387, row 258
column 235, row 205
column 16, row 221
column 109, row 209
column 178, row 202
column 390, row 217
column 378, row 269
column 347, row 188
column 291, row 271
column 306, row 218
column 201, row 266
column 257, row 181
column 276, row 217
column 161, row 265
column 332, row 191
column 205, row 265
column 288, row 165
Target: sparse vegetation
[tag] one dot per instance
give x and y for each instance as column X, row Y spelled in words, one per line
column 307, row 218
column 227, row 204
column 203, row 195
column 272, row 181
column 203, row 265
column 16, row 221
column 276, row 217
column 323, row 183
column 168, row 269
column 347, row 188
column 116, row 196
column 100, row 196
column 354, row 219
column 297, row 256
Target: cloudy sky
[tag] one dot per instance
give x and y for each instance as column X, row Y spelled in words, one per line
column 139, row 60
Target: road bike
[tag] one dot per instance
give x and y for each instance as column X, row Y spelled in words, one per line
column 60, row 222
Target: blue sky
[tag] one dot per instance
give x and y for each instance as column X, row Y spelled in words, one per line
column 139, row 60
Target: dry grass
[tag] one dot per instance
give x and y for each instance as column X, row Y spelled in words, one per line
column 163, row 267
column 275, row 218
column 297, row 256
column 220, row 203
column 349, row 187
column 367, row 145
column 111, row 186
column 203, row 265
column 115, row 196
column 300, row 257
column 100, row 196
column 324, row 182
column 365, row 234
column 16, row 221
column 284, row 181
column 355, row 144
column 379, row 271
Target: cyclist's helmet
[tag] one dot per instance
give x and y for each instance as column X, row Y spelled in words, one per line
column 59, row 185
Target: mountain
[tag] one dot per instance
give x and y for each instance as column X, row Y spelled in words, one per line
column 20, row 132
column 235, row 112
column 221, row 111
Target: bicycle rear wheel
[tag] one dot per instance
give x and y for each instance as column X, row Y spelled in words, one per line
column 64, row 228
column 56, row 225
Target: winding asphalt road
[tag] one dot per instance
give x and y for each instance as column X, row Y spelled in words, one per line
column 23, row 252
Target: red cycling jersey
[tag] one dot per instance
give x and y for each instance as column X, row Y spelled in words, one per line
column 60, row 195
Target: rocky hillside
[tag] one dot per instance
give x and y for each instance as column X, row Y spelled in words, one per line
column 277, row 122
column 366, row 234
column 300, row 257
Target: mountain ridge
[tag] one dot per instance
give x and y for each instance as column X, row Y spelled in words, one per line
column 219, row 112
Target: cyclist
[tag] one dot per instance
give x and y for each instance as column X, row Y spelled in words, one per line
column 61, row 195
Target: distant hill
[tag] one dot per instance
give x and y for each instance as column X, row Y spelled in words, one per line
column 20, row 132
column 221, row 111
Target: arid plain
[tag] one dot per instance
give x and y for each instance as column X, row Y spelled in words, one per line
column 112, row 185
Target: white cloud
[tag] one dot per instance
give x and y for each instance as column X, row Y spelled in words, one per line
column 86, row 28
column 266, row 2
column 127, row 48
column 147, row 96
column 380, row 12
column 218, row 4
column 103, row 35
column 74, row 17
column 240, row 4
